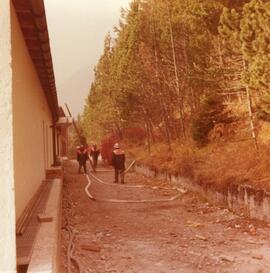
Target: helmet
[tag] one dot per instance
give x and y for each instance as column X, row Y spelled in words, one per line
column 116, row 146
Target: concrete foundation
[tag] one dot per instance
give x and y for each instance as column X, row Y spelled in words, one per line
column 241, row 199
column 46, row 252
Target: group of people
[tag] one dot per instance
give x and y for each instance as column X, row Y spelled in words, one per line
column 118, row 160
column 84, row 154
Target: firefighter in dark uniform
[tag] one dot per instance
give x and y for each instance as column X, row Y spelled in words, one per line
column 118, row 161
column 94, row 154
column 82, row 157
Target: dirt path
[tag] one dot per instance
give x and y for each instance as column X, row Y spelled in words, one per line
column 186, row 235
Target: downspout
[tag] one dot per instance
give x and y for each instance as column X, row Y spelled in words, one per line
column 55, row 161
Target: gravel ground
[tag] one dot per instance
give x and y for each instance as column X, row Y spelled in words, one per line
column 185, row 235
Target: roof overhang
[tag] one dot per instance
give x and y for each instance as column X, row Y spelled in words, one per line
column 32, row 19
column 64, row 121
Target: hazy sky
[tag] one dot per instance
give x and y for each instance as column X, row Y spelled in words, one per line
column 77, row 29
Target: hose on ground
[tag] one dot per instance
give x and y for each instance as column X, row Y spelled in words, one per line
column 71, row 259
column 179, row 191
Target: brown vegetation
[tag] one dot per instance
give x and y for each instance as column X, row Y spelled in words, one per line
column 194, row 76
column 221, row 163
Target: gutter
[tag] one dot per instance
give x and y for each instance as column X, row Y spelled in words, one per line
column 32, row 19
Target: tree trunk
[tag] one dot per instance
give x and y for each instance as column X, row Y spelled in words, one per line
column 159, row 88
column 146, row 125
column 182, row 124
column 250, row 112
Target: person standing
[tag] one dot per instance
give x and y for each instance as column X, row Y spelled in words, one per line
column 82, row 157
column 94, row 154
column 118, row 161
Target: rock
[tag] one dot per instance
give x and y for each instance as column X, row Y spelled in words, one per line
column 228, row 228
column 257, row 257
column 252, row 230
column 201, row 237
column 227, row 258
column 44, row 218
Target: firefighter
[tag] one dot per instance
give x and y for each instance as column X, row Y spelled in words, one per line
column 118, row 161
column 94, row 154
column 82, row 157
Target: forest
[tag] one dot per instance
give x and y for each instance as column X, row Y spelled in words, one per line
column 187, row 83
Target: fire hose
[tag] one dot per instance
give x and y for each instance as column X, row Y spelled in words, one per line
column 71, row 256
column 179, row 191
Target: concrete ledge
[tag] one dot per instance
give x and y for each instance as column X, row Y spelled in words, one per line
column 241, row 199
column 46, row 251
column 54, row 172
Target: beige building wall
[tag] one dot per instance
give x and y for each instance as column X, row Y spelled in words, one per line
column 32, row 120
column 7, row 222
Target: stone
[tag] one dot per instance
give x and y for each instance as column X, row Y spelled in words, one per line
column 92, row 247
column 227, row 258
column 201, row 237
column 44, row 218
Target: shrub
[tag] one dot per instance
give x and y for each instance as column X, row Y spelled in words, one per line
column 212, row 112
column 134, row 134
column 264, row 108
column 107, row 147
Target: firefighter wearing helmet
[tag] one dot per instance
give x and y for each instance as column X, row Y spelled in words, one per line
column 118, row 161
column 82, row 157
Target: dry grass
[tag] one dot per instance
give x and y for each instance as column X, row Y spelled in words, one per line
column 220, row 163
column 230, row 159
column 264, row 133
column 234, row 163
column 180, row 159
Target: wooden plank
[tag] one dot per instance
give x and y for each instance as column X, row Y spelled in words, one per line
column 44, row 218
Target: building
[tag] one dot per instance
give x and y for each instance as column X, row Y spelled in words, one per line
column 62, row 127
column 29, row 115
